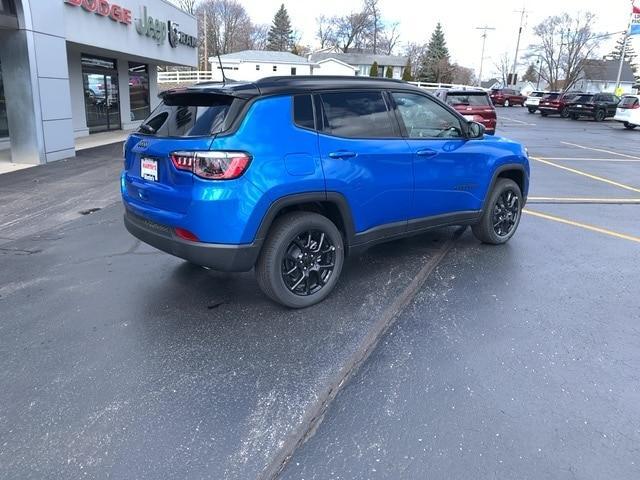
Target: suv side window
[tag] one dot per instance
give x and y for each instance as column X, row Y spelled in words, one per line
column 357, row 115
column 303, row 112
column 424, row 118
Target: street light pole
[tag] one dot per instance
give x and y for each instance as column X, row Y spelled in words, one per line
column 484, row 41
column 623, row 54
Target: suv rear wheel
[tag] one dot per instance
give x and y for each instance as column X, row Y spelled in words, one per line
column 501, row 218
column 600, row 115
column 629, row 126
column 564, row 113
column 301, row 260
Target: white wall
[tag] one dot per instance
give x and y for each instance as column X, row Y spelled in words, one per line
column 331, row 67
column 609, row 87
column 246, row 71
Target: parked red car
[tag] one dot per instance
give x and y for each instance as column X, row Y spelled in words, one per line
column 473, row 105
column 556, row 104
column 507, row 97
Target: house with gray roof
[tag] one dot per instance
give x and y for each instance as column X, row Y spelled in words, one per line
column 601, row 75
column 361, row 62
column 251, row 65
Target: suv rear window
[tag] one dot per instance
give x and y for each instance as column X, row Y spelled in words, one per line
column 552, row 96
column 537, row 94
column 189, row 115
column 629, row 102
column 357, row 115
column 582, row 98
column 468, row 98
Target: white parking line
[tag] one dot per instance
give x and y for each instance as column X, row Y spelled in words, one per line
column 615, row 201
column 518, row 121
column 600, row 150
column 584, row 159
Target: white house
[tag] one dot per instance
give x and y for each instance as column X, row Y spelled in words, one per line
column 333, row 66
column 601, row 76
column 362, row 62
column 250, row 65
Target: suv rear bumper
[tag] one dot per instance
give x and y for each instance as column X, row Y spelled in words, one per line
column 218, row 256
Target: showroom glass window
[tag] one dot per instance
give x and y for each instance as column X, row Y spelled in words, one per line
column 139, row 91
column 4, row 124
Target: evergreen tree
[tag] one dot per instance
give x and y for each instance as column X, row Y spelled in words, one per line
column 280, row 36
column 373, row 72
column 389, row 72
column 436, row 65
column 406, row 72
column 531, row 75
column 630, row 55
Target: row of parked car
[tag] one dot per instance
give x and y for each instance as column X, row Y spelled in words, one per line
column 598, row 106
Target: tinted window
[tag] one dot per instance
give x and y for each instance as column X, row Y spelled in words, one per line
column 536, row 94
column 582, row 98
column 189, row 115
column 552, row 96
column 468, row 98
column 303, row 111
column 425, row 118
column 628, row 102
column 357, row 115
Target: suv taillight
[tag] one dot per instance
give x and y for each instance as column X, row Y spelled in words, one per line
column 212, row 165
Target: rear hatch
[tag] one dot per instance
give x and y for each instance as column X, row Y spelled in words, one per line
column 534, row 98
column 627, row 107
column 474, row 106
column 185, row 121
column 582, row 103
column 552, row 100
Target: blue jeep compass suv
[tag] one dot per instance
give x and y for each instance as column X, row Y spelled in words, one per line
column 290, row 174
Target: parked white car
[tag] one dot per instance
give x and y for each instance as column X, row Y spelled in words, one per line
column 628, row 111
column 533, row 100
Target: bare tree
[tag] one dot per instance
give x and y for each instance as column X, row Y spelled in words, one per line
column 372, row 10
column 325, row 32
column 503, row 67
column 415, row 52
column 188, row 6
column 564, row 42
column 462, row 75
column 389, row 39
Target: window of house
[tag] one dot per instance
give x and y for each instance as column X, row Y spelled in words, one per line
column 257, row 67
column 357, row 115
column 275, row 68
column 139, row 91
column 293, row 70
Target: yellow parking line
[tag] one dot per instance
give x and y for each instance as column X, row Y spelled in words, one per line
column 592, row 228
column 600, row 150
column 584, row 199
column 588, row 175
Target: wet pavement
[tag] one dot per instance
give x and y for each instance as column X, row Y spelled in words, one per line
column 512, row 362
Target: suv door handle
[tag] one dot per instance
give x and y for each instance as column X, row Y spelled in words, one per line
column 343, row 154
column 426, row 153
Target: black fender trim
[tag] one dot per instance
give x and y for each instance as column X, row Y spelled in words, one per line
column 501, row 169
column 309, row 197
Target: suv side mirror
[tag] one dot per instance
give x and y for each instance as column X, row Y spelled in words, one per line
column 476, row 130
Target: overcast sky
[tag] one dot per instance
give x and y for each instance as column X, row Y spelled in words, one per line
column 459, row 19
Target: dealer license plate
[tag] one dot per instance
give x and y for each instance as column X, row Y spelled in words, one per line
column 149, row 169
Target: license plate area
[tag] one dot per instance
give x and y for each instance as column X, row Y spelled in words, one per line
column 469, row 117
column 149, row 169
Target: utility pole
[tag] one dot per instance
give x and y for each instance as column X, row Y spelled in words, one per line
column 624, row 51
column 206, row 43
column 484, row 41
column 522, row 13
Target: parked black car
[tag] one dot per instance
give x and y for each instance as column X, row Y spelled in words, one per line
column 595, row 105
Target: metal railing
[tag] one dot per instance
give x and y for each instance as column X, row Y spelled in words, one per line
column 195, row 76
column 185, row 76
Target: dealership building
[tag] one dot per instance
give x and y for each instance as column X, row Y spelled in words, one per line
column 71, row 68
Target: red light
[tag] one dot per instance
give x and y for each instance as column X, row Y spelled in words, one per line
column 186, row 234
column 212, row 165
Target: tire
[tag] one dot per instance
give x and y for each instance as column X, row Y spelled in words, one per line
column 544, row 114
column 284, row 247
column 564, row 113
column 599, row 116
column 484, row 230
column 629, row 126
column 574, row 116
column 531, row 110
column 507, row 103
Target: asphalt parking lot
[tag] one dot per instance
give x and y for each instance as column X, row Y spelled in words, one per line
column 436, row 357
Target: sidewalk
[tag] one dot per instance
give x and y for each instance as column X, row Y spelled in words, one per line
column 83, row 143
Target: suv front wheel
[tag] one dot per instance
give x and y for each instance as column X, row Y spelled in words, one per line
column 501, row 217
column 301, row 260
